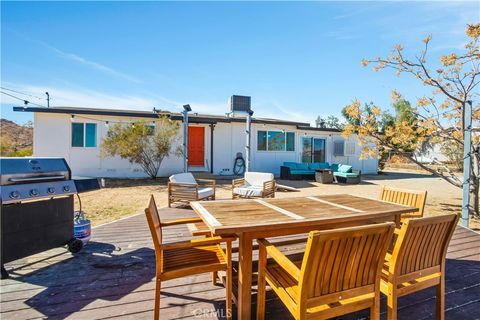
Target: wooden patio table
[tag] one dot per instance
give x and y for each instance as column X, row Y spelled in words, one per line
column 261, row 218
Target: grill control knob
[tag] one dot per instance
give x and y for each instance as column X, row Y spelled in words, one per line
column 34, row 192
column 14, row 194
column 51, row 190
column 66, row 188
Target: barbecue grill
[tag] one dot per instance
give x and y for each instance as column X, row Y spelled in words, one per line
column 36, row 197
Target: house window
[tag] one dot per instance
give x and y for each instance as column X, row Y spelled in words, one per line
column 84, row 135
column 262, row 141
column 77, row 134
column 275, row 141
column 290, row 141
column 338, row 148
column 90, row 134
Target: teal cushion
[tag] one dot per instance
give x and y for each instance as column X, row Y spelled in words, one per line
column 302, row 172
column 334, row 167
column 291, row 165
column 346, row 174
column 318, row 165
column 344, row 168
column 302, row 166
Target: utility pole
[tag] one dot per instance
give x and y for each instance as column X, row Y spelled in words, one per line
column 467, row 161
column 48, row 99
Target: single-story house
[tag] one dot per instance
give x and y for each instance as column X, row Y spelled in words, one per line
column 214, row 141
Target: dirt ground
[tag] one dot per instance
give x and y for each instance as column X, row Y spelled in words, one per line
column 124, row 197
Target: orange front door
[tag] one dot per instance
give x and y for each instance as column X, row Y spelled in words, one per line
column 196, row 146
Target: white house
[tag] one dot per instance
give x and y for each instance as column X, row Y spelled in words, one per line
column 214, row 141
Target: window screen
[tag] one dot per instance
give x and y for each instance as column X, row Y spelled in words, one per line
column 338, row 148
column 90, row 135
column 77, row 134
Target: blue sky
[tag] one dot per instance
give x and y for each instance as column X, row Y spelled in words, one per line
column 296, row 59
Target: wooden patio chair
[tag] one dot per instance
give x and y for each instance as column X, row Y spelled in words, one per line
column 254, row 185
column 418, row 260
column 185, row 258
column 183, row 187
column 339, row 274
column 413, row 198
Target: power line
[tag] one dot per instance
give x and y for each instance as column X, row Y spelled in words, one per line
column 25, row 94
column 23, row 100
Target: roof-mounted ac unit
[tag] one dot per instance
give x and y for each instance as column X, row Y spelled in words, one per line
column 240, row 104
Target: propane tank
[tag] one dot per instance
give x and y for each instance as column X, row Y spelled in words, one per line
column 82, row 228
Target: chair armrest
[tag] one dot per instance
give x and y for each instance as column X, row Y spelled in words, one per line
column 183, row 185
column 207, row 182
column 280, row 258
column 269, row 185
column 238, row 182
column 180, row 221
column 196, row 243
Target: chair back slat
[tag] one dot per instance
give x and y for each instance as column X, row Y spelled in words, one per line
column 422, row 243
column 154, row 224
column 413, row 198
column 343, row 259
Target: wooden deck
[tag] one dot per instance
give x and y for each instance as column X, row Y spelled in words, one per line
column 113, row 277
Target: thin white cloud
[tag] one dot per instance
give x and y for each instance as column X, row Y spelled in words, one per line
column 89, row 63
column 287, row 114
column 79, row 59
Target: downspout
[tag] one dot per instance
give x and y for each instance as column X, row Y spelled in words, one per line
column 212, row 127
column 247, row 142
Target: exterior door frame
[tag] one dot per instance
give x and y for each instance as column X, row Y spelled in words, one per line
column 312, row 148
column 191, row 144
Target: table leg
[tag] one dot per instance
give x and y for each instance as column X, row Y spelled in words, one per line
column 397, row 221
column 245, row 277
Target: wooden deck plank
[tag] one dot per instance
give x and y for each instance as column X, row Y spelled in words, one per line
column 113, row 278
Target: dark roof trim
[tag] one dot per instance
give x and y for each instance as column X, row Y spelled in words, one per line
column 318, row 129
column 100, row 112
column 194, row 118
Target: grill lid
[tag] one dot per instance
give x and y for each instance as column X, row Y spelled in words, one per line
column 32, row 170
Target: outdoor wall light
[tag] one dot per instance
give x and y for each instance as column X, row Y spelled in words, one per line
column 72, row 118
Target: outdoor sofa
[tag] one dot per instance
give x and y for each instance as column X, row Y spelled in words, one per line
column 306, row 171
column 301, row 171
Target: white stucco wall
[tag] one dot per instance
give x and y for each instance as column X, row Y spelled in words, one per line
column 52, row 138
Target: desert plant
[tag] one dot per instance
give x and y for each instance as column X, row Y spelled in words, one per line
column 143, row 143
column 438, row 119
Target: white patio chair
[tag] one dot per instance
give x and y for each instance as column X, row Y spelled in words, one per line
column 254, row 185
column 184, row 188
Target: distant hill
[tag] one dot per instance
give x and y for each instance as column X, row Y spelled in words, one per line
column 15, row 140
